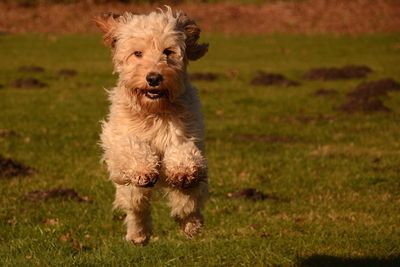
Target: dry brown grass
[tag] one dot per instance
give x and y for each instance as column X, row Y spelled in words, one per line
column 312, row 16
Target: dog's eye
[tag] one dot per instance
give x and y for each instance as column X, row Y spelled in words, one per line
column 113, row 42
column 138, row 53
column 168, row 52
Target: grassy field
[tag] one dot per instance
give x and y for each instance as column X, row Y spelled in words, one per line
column 331, row 178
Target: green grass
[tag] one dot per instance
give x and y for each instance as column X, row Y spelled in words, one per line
column 337, row 182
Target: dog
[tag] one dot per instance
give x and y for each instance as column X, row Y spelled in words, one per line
column 153, row 136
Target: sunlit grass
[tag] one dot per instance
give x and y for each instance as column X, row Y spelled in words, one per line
column 335, row 176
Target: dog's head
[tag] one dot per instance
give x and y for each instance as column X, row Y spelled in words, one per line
column 150, row 54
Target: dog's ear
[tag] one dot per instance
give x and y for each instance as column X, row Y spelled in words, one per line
column 187, row 25
column 107, row 23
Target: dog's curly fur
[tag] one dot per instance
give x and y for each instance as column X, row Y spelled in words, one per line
column 154, row 132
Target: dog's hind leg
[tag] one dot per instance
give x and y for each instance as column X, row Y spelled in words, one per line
column 135, row 201
column 186, row 205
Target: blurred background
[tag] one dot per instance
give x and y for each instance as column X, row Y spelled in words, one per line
column 253, row 16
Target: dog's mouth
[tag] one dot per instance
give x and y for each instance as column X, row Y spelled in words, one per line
column 154, row 94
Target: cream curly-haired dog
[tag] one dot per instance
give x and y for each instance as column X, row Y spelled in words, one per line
column 154, row 132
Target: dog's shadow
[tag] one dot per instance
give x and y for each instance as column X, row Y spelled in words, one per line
column 333, row 261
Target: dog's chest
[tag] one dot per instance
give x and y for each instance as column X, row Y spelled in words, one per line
column 162, row 132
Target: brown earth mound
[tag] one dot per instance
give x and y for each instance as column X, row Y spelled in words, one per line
column 254, row 195
column 267, row 79
column 249, row 193
column 10, row 168
column 63, row 193
column 343, row 73
column 309, row 16
column 67, row 73
column 325, row 92
column 31, row 68
column 203, row 76
column 366, row 96
column 364, row 105
column 312, row 119
column 29, row 83
column 375, row 88
column 7, row 133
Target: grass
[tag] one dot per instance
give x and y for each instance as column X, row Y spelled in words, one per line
column 336, row 179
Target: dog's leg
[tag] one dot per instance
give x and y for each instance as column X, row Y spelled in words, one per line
column 184, row 165
column 186, row 205
column 185, row 171
column 135, row 201
column 129, row 159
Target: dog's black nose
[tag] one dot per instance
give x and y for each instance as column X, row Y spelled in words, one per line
column 154, row 78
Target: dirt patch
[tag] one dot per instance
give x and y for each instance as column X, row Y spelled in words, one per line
column 366, row 96
column 254, row 195
column 266, row 138
column 311, row 16
column 267, row 79
column 67, row 73
column 325, row 92
column 364, row 105
column 204, row 76
column 249, row 193
column 31, row 68
column 343, row 73
column 62, row 193
column 29, row 83
column 312, row 119
column 10, row 168
column 7, row 133
column 374, row 88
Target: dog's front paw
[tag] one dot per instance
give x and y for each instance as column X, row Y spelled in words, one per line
column 183, row 178
column 184, row 165
column 138, row 179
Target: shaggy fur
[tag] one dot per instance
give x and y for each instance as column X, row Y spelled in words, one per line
column 154, row 132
